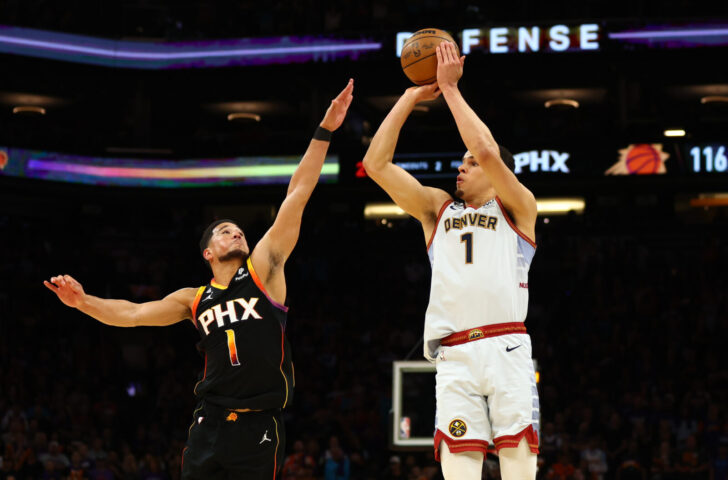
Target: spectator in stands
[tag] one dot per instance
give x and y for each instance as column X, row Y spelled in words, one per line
column 336, row 465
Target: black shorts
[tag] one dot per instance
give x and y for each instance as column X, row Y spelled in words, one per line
column 226, row 445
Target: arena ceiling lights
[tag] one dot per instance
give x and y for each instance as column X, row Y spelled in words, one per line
column 560, row 206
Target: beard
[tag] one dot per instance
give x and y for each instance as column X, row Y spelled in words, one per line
column 236, row 254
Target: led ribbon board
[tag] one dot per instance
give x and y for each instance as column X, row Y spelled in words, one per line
column 126, row 172
column 669, row 158
column 445, row 165
column 162, row 55
column 553, row 38
column 524, row 39
column 674, row 36
column 584, row 37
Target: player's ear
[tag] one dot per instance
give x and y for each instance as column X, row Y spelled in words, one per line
column 207, row 254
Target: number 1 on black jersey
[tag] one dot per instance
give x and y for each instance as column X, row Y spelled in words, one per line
column 232, row 348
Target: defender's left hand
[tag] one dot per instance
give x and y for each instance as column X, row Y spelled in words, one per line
column 337, row 110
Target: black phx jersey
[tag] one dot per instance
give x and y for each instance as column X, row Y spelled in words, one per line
column 247, row 356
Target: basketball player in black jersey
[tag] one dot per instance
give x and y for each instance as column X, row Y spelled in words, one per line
column 237, row 431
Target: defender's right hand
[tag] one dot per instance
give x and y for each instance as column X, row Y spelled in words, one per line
column 68, row 290
column 424, row 93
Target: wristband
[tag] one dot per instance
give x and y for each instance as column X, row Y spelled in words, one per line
column 322, row 133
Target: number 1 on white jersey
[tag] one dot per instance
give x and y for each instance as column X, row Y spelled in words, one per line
column 467, row 238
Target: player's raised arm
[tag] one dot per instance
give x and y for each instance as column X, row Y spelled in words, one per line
column 419, row 201
column 173, row 308
column 478, row 139
column 277, row 244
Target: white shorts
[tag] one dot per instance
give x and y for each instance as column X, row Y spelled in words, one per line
column 486, row 394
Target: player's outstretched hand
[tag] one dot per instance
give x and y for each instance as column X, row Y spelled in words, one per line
column 449, row 66
column 424, row 93
column 337, row 110
column 68, row 290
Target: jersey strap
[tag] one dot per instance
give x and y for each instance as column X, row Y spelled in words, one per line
column 513, row 225
column 198, row 296
column 437, row 222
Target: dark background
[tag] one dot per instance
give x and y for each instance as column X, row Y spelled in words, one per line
column 627, row 315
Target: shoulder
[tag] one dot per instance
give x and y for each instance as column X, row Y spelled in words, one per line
column 439, row 199
column 523, row 204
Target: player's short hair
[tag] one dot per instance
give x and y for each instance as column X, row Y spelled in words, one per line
column 507, row 157
column 207, row 234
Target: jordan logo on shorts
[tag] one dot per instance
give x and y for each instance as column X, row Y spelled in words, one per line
column 458, row 428
column 265, row 438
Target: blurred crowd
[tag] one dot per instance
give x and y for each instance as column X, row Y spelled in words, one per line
column 628, row 322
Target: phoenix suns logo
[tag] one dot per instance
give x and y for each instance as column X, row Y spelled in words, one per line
column 640, row 159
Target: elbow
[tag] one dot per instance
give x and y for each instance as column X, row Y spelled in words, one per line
column 371, row 165
column 135, row 318
column 300, row 189
column 298, row 197
column 486, row 151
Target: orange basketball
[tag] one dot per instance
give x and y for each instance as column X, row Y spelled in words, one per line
column 419, row 58
column 643, row 159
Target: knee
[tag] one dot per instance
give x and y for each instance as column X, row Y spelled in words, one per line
column 518, row 463
column 460, row 466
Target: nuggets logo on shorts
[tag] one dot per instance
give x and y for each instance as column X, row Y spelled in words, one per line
column 475, row 333
column 458, row 428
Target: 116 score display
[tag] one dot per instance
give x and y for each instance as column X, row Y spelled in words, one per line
column 708, row 158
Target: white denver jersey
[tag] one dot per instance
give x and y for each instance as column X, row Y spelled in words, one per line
column 480, row 263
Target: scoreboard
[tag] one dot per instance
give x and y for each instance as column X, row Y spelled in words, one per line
column 671, row 159
column 707, row 158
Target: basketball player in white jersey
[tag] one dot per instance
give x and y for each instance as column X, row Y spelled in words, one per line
column 480, row 247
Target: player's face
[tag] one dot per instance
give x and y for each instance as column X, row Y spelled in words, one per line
column 228, row 242
column 471, row 180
